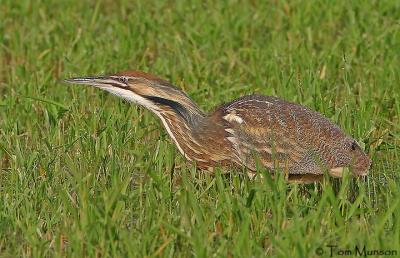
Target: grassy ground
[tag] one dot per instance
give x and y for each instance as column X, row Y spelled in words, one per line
column 85, row 174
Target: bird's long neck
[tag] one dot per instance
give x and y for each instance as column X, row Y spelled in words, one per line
column 189, row 128
column 182, row 122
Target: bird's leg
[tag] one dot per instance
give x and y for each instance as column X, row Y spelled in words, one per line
column 252, row 175
column 336, row 172
column 305, row 178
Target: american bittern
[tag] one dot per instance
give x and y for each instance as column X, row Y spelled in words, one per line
column 277, row 134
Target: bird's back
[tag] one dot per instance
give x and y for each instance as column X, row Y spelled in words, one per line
column 277, row 134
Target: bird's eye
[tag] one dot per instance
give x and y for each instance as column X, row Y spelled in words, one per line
column 123, row 79
column 354, row 146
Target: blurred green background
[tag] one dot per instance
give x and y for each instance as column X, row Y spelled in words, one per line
column 83, row 173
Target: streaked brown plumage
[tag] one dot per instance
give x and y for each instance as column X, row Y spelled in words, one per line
column 280, row 135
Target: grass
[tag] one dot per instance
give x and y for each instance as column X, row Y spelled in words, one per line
column 86, row 174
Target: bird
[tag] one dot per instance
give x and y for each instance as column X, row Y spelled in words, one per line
column 245, row 134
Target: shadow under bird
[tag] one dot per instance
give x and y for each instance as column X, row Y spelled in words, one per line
column 247, row 132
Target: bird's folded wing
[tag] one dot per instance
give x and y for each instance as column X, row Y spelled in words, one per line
column 263, row 138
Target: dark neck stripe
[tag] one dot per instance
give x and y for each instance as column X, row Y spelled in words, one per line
column 175, row 106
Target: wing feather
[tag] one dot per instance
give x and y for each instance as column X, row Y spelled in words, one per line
column 262, row 130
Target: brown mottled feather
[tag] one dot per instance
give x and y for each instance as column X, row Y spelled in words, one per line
column 277, row 133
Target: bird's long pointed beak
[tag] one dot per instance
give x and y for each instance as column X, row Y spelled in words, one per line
column 97, row 81
column 90, row 80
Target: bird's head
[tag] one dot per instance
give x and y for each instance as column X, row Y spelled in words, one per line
column 345, row 152
column 147, row 90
